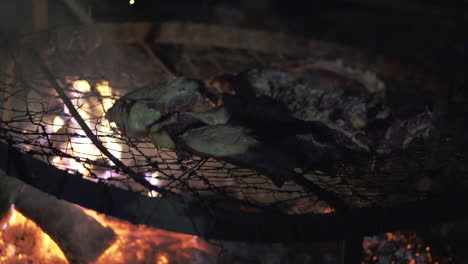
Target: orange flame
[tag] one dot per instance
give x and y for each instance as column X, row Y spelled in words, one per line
column 22, row 241
column 90, row 111
column 138, row 243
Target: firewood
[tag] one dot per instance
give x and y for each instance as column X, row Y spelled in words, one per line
column 78, row 12
column 81, row 238
column 40, row 14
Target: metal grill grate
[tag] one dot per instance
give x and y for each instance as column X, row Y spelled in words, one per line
column 94, row 72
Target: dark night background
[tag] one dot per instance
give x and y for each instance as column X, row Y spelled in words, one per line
column 432, row 33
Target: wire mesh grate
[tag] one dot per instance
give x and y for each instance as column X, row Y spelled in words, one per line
column 35, row 121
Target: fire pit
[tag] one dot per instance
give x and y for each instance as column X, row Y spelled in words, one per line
column 58, row 86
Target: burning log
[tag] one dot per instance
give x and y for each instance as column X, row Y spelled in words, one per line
column 81, row 238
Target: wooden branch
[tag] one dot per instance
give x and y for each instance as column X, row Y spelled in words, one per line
column 138, row 177
column 156, row 60
column 329, row 197
column 40, row 15
column 8, row 91
column 78, row 11
column 81, row 238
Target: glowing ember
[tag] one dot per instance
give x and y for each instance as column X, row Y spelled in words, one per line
column 398, row 247
column 162, row 260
